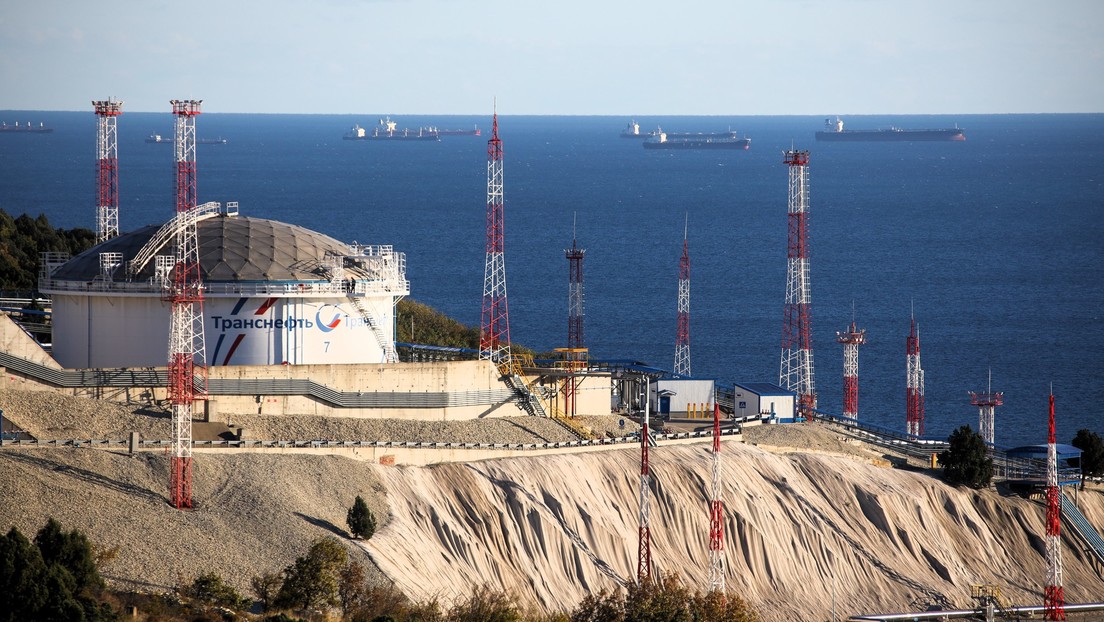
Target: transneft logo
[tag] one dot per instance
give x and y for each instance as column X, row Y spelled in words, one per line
column 325, row 326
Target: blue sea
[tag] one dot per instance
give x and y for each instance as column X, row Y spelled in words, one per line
column 994, row 243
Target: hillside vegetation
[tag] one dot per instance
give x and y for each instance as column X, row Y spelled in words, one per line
column 22, row 238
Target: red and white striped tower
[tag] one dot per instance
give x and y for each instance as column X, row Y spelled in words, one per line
column 796, row 371
column 987, row 405
column 576, row 342
column 716, row 513
column 644, row 541
column 914, row 391
column 1054, row 602
column 107, row 169
column 494, row 332
column 851, row 339
column 682, row 338
column 187, row 380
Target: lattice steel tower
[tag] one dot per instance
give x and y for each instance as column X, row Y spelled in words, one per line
column 644, row 538
column 575, row 255
column 987, row 405
column 851, row 339
column 716, row 513
column 914, row 390
column 1054, row 602
column 107, row 169
column 796, row 371
column 187, row 380
column 494, row 332
column 682, row 338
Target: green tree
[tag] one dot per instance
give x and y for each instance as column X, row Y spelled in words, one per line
column 966, row 460
column 1092, row 452
column 55, row 578
column 361, row 521
column 312, row 581
column 22, row 574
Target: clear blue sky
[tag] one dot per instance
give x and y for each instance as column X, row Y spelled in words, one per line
column 679, row 57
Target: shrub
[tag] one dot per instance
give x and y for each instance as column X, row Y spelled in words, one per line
column 361, row 521
column 312, row 581
column 209, row 588
column 486, row 605
column 966, row 460
column 265, row 587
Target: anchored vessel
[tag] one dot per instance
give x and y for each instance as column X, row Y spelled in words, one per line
column 833, row 131
column 388, row 130
column 472, row 132
column 157, row 138
column 632, row 130
column 721, row 140
column 34, row 129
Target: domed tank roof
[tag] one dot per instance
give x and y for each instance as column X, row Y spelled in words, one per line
column 231, row 248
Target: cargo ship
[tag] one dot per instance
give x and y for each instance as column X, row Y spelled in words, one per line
column 724, row 140
column 32, row 129
column 833, row 131
column 388, row 130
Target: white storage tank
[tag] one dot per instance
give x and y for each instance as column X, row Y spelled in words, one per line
column 274, row 294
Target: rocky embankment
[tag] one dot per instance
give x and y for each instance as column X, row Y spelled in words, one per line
column 810, row 517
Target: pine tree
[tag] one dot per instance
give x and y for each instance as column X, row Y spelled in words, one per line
column 966, row 460
column 1092, row 452
column 361, row 521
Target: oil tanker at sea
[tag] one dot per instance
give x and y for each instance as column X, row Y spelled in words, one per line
column 833, row 131
column 717, row 140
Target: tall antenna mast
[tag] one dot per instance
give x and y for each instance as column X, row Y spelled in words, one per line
column 107, row 169
column 914, row 390
column 575, row 315
column 1054, row 604
column 796, row 370
column 576, row 343
column 682, row 338
column 716, row 513
column 987, row 405
column 494, row 333
column 186, row 343
column 644, row 542
column 851, row 339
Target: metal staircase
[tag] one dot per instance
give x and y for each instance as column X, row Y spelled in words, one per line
column 1081, row 525
column 527, row 398
column 385, row 344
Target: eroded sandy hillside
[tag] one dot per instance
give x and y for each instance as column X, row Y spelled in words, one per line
column 799, row 527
